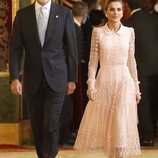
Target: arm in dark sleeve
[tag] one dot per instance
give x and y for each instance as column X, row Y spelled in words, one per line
column 71, row 48
column 15, row 49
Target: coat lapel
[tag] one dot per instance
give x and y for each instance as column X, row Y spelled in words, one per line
column 51, row 22
column 33, row 23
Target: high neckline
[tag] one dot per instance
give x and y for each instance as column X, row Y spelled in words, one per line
column 108, row 31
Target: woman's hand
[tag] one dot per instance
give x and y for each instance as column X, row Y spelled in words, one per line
column 91, row 94
column 138, row 98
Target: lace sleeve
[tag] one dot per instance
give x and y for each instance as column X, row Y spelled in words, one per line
column 93, row 61
column 132, row 62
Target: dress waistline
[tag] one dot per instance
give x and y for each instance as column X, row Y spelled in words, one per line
column 114, row 66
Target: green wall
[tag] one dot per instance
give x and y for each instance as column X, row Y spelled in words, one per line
column 24, row 3
column 9, row 104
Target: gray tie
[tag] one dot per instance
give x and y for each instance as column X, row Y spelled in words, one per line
column 41, row 25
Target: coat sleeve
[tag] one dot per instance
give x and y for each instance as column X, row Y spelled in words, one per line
column 71, row 48
column 15, row 49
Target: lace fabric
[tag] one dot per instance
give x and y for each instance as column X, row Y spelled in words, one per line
column 131, row 62
column 93, row 63
column 110, row 121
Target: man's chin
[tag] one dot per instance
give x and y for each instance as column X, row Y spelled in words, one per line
column 43, row 2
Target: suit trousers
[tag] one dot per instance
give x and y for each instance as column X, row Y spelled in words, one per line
column 65, row 120
column 145, row 125
column 45, row 108
column 154, row 102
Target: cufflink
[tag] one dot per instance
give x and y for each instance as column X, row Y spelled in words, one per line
column 56, row 16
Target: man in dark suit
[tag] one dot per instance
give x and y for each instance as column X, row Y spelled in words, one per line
column 50, row 67
column 87, row 32
column 80, row 11
column 148, row 6
column 72, row 107
column 146, row 46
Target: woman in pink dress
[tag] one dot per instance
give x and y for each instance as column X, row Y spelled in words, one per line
column 110, row 119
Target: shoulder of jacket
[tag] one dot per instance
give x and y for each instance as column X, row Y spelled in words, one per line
column 25, row 10
column 63, row 8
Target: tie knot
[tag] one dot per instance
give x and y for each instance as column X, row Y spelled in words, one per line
column 42, row 10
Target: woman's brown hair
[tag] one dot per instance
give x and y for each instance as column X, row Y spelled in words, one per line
column 109, row 1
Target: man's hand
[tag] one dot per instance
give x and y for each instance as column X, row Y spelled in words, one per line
column 16, row 87
column 71, row 86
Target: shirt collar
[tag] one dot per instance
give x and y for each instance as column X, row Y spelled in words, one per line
column 77, row 22
column 47, row 5
column 108, row 31
column 135, row 10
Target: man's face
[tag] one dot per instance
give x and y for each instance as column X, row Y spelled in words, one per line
column 43, row 2
column 148, row 5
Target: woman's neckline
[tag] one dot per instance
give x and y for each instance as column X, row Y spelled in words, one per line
column 114, row 30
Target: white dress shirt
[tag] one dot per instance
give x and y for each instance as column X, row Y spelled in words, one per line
column 46, row 10
column 77, row 22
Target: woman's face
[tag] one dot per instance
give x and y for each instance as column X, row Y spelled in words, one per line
column 114, row 12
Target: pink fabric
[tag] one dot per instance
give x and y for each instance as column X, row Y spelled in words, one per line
column 110, row 121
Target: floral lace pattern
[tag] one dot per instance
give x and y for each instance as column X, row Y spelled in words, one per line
column 110, row 121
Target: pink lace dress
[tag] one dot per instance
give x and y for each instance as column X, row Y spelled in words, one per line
column 110, row 121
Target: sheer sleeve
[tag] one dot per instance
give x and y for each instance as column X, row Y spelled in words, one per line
column 93, row 61
column 132, row 62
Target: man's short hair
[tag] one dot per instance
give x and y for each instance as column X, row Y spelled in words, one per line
column 79, row 9
column 134, row 4
column 90, row 2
